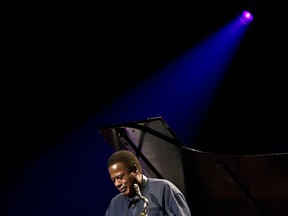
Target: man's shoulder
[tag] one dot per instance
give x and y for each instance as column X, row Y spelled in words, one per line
column 118, row 197
column 159, row 181
column 162, row 183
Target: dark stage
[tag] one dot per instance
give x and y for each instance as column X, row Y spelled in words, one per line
column 66, row 65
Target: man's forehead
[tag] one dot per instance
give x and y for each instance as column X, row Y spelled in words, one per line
column 117, row 167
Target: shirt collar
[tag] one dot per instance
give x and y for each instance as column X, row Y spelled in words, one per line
column 144, row 182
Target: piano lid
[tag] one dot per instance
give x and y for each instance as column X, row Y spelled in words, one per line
column 214, row 184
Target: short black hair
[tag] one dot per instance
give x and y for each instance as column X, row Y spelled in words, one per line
column 127, row 158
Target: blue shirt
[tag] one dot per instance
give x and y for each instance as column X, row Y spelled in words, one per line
column 164, row 199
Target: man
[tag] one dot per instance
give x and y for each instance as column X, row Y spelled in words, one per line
column 155, row 196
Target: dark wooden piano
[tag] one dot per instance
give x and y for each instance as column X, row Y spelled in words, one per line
column 214, row 184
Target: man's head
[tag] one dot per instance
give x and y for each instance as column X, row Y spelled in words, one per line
column 125, row 171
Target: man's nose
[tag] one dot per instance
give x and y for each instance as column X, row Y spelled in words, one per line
column 118, row 182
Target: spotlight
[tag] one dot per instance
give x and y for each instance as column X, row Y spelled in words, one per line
column 246, row 17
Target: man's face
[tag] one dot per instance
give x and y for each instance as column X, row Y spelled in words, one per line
column 123, row 179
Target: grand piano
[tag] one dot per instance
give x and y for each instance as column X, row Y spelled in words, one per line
column 214, row 184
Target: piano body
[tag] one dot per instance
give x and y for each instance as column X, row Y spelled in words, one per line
column 214, row 184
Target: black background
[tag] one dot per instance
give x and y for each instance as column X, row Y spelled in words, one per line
column 65, row 62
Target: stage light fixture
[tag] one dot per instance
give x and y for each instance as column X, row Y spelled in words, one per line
column 246, row 17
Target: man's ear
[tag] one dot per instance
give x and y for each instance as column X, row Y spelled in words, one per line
column 135, row 169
